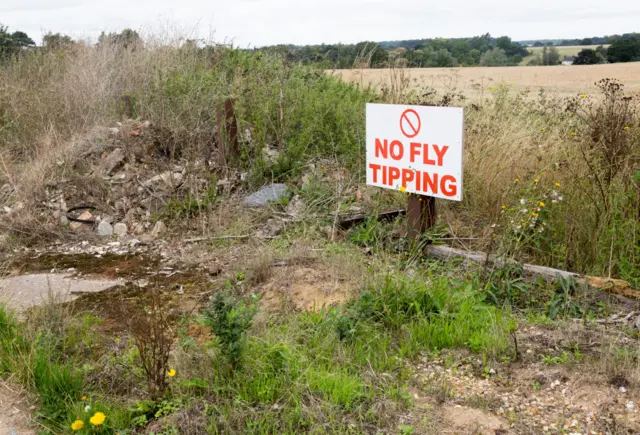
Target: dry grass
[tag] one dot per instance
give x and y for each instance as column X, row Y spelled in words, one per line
column 475, row 82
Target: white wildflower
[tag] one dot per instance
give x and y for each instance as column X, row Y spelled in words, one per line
column 523, row 201
column 524, row 210
column 87, row 408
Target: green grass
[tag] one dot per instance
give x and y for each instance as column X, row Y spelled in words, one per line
column 298, row 373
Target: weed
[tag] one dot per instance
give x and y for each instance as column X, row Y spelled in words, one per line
column 562, row 303
column 229, row 319
column 153, row 336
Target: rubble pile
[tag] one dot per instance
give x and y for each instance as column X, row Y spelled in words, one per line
column 120, row 184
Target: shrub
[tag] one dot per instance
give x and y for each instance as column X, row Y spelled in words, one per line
column 229, row 318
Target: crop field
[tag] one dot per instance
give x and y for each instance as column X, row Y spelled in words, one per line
column 477, row 82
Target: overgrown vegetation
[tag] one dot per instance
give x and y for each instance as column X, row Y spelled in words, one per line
column 549, row 181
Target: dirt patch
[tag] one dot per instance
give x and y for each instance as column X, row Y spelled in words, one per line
column 551, row 389
column 304, row 287
column 465, row 420
column 14, row 411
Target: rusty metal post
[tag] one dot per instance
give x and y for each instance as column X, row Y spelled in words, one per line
column 421, row 215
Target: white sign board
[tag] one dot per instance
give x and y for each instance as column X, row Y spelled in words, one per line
column 415, row 149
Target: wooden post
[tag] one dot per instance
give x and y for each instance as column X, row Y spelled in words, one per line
column 227, row 134
column 421, row 215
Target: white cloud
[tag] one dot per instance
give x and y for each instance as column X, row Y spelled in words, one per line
column 261, row 22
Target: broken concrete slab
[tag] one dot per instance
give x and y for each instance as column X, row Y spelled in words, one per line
column 266, row 195
column 82, row 226
column 120, row 229
column 21, row 292
column 105, row 229
column 112, row 162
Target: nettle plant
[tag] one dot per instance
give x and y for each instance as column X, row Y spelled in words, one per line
column 527, row 221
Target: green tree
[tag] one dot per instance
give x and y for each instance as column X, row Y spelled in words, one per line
column 586, row 41
column 494, row 57
column 624, row 50
column 550, row 55
column 127, row 39
column 442, row 59
column 588, row 56
column 55, row 41
column 12, row 43
column 475, row 56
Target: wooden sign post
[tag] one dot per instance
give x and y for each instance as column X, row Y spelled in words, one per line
column 421, row 215
column 417, row 150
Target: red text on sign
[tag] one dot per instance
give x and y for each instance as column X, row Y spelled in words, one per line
column 428, row 154
column 424, row 182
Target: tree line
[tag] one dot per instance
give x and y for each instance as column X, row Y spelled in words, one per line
column 483, row 50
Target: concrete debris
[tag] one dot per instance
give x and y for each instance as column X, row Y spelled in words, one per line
column 120, row 229
column 81, row 226
column 105, row 229
column 271, row 228
column 266, row 195
column 296, row 207
column 112, row 162
column 158, row 229
column 25, row 291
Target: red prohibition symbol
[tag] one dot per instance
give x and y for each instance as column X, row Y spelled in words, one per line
column 410, row 123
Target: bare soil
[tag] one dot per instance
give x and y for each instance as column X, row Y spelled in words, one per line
column 14, row 411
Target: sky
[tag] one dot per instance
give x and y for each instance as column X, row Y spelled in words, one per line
column 251, row 23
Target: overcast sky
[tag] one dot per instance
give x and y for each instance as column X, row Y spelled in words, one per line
column 263, row 22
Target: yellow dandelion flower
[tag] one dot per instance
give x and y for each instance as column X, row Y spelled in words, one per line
column 517, row 180
column 77, row 425
column 542, row 129
column 403, row 189
column 84, row 397
column 627, row 128
column 584, row 96
column 572, row 134
column 534, row 214
column 557, row 184
column 171, row 373
column 504, row 207
column 97, row 419
column 541, row 204
column 535, row 180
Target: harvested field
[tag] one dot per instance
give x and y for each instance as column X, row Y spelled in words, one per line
column 478, row 81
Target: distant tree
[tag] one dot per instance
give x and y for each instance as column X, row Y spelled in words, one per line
column 127, row 39
column 475, row 56
column 550, row 55
column 624, row 50
column 538, row 44
column 371, row 54
column 535, row 61
column 55, row 41
column 586, row 41
column 494, row 57
column 588, row 56
column 12, row 43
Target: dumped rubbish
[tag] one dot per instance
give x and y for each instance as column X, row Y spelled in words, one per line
column 267, row 195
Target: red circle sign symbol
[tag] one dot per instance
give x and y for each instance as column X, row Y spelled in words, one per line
column 410, row 123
